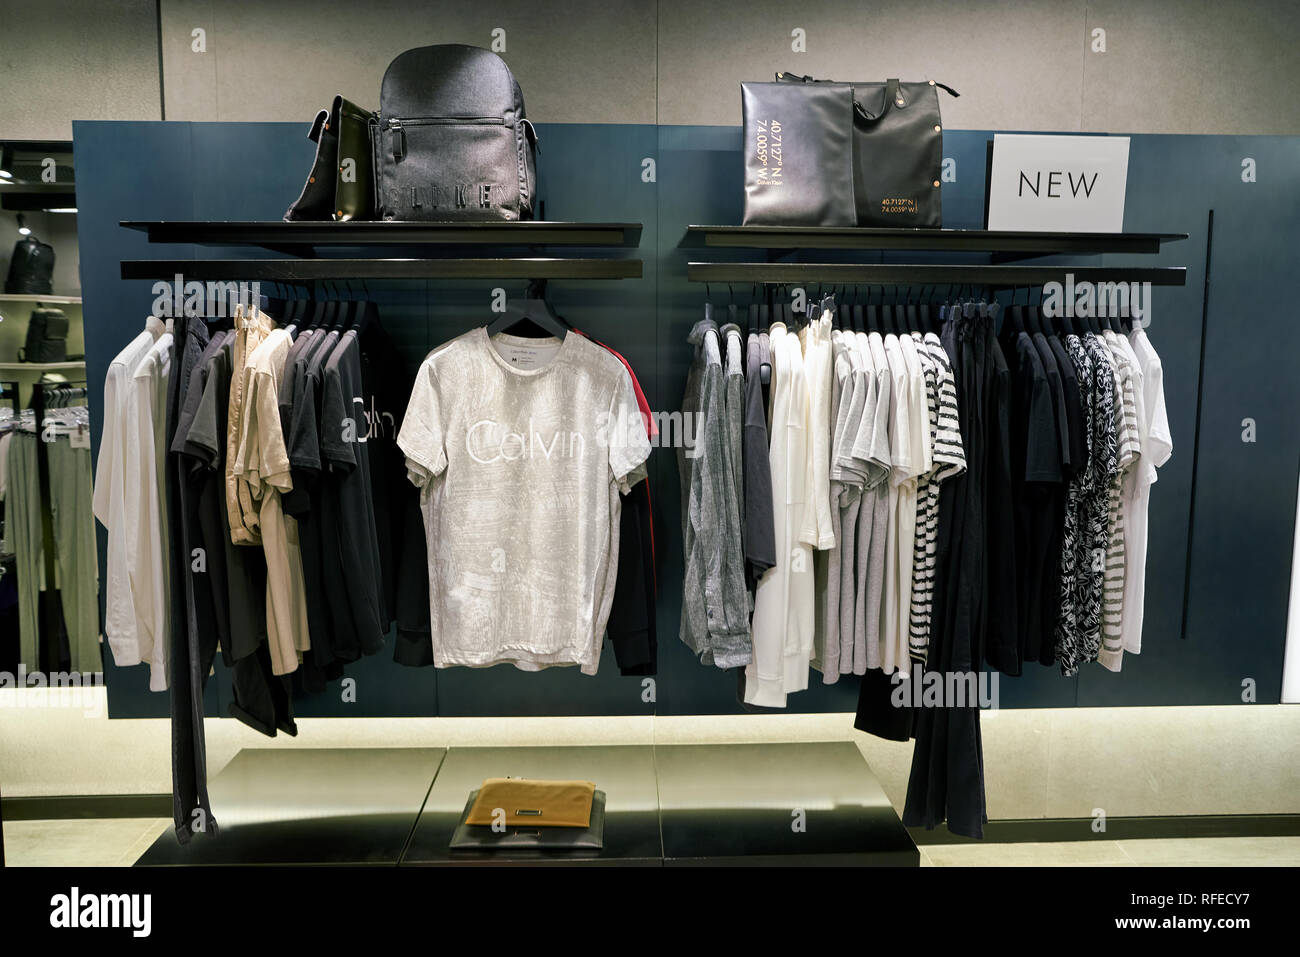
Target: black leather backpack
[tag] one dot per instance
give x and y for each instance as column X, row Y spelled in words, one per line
column 451, row 140
column 31, row 270
column 47, row 337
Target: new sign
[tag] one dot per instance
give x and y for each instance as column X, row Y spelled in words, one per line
column 1058, row 183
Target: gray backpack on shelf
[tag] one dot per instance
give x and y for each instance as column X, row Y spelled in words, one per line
column 451, row 140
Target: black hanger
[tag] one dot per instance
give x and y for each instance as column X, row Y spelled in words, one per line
column 828, row 305
column 1015, row 319
column 764, row 323
column 873, row 314
column 1128, row 322
column 753, row 318
column 532, row 309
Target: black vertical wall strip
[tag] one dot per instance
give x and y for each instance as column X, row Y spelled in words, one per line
column 162, row 90
column 1196, row 441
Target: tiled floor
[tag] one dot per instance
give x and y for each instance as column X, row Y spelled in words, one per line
column 1183, row 852
column 99, row 842
column 120, row 841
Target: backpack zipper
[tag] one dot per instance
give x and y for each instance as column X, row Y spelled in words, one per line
column 397, row 125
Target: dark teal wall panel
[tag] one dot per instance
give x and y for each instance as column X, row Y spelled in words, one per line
column 1245, row 493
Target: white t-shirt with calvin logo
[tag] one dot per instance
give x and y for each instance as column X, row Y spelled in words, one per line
column 520, row 447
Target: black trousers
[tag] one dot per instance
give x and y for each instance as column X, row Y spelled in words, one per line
column 947, row 778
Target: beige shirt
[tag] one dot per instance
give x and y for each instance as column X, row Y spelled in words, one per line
column 251, row 328
column 262, row 464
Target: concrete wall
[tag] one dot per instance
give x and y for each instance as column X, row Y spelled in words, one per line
column 1189, row 66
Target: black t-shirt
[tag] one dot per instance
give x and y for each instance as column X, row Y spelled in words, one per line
column 385, row 390
column 1078, row 441
column 199, row 611
column 1001, row 641
column 1046, row 498
column 300, row 392
column 347, row 480
column 1057, row 390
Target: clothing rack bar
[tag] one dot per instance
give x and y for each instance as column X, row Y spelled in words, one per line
column 950, row 240
column 307, row 235
column 291, row 270
column 920, row 274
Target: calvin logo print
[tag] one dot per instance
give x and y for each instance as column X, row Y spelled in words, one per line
column 487, row 442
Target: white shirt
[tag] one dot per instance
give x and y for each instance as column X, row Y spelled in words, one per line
column 784, row 603
column 117, row 443
column 907, row 459
column 146, row 507
column 1156, row 450
column 818, row 364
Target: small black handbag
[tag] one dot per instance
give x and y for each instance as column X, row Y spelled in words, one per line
column 821, row 153
column 341, row 184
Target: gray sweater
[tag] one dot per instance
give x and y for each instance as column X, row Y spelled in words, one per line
column 715, row 601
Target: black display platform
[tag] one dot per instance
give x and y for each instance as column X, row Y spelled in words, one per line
column 789, row 803
column 309, row 806
column 792, row 803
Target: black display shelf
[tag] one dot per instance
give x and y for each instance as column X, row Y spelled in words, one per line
column 306, row 270
column 949, row 240
column 302, row 237
column 924, row 274
column 34, row 197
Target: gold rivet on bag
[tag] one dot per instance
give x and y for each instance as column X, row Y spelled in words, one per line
column 937, row 128
column 936, row 184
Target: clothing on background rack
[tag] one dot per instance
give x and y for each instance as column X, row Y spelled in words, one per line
column 984, row 505
column 62, row 634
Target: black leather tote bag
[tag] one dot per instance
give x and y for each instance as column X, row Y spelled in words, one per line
column 896, row 151
column 798, row 154
column 452, row 141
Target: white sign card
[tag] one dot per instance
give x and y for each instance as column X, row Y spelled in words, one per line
column 1058, row 183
